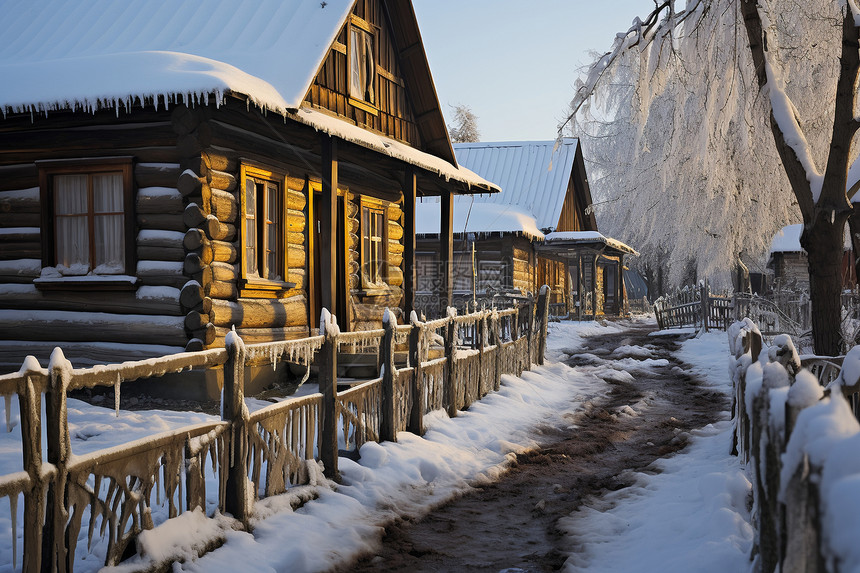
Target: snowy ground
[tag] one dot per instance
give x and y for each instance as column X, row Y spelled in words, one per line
column 692, row 512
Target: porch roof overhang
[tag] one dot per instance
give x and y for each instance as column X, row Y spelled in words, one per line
column 430, row 166
column 569, row 244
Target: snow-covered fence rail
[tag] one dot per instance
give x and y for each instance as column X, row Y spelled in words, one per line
column 798, row 436
column 251, row 455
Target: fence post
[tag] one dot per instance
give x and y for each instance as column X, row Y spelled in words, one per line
column 327, row 379
column 705, row 300
column 542, row 317
column 495, row 333
column 530, row 322
column 387, row 423
column 233, row 410
column 55, row 555
column 450, row 393
column 416, row 414
column 31, row 450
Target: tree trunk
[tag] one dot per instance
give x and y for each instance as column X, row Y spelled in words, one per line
column 823, row 242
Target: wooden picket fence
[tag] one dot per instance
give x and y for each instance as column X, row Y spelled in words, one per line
column 451, row 363
column 694, row 307
column 787, row 516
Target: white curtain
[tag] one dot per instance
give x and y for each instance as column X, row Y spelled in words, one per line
column 251, row 228
column 108, row 223
column 72, row 234
column 356, row 65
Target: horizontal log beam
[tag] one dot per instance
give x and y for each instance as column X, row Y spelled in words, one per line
column 100, row 327
column 168, row 222
column 18, row 176
column 159, row 200
column 156, row 174
column 258, row 335
column 24, row 200
column 166, row 153
column 147, row 300
column 258, row 313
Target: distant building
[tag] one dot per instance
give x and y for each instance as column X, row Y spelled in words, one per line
column 788, row 261
column 538, row 230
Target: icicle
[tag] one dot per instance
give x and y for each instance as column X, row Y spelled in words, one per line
column 116, row 394
column 13, row 508
column 8, row 399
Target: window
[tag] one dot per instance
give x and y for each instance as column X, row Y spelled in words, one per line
column 362, row 65
column 374, row 251
column 264, row 260
column 87, row 217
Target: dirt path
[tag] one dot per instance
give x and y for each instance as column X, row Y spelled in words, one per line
column 510, row 526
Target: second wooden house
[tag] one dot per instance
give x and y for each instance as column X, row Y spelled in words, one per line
column 170, row 170
column 539, row 230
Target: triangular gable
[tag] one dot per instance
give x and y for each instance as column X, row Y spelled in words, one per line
column 401, row 100
column 541, row 177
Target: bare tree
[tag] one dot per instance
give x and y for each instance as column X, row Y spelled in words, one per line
column 465, row 128
column 795, row 75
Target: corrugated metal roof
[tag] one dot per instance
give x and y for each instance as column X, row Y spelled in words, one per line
column 532, row 176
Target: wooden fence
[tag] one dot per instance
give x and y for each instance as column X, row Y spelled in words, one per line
column 695, row 307
column 450, row 363
column 766, row 406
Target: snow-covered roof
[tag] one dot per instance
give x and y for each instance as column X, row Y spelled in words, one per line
column 94, row 54
column 475, row 217
column 532, row 174
column 787, row 240
column 91, row 53
column 589, row 237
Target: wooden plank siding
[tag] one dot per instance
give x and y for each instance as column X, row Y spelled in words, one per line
column 393, row 115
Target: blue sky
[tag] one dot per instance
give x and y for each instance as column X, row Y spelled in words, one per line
column 513, row 62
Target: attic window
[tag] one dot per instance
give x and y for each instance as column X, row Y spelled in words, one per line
column 362, row 64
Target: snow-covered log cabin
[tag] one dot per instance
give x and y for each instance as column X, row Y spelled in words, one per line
column 538, row 230
column 788, row 261
column 171, row 169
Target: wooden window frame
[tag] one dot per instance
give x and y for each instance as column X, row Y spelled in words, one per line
column 365, row 28
column 87, row 166
column 379, row 207
column 258, row 286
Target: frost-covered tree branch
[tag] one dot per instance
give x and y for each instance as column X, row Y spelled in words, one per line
column 722, row 123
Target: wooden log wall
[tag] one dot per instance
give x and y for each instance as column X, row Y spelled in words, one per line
column 211, row 183
column 150, row 315
column 522, row 258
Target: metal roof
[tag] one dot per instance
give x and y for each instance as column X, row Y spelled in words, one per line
column 532, row 174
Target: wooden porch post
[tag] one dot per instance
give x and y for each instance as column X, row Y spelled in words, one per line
column 446, row 253
column 410, row 194
column 328, row 224
column 327, row 377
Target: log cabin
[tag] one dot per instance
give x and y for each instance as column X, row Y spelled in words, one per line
column 538, row 230
column 171, row 170
column 788, row 261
